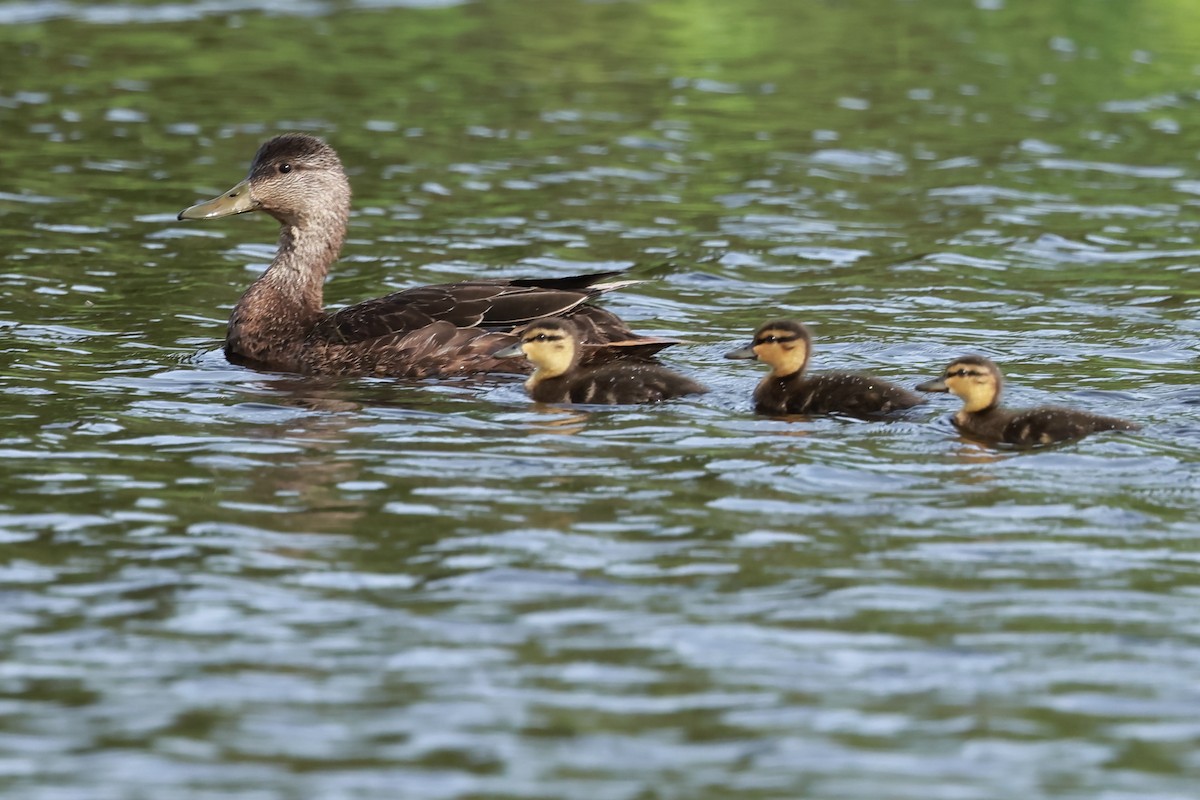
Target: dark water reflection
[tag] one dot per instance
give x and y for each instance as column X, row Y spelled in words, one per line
column 221, row 583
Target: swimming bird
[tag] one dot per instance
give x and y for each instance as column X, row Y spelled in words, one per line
column 977, row 380
column 785, row 345
column 280, row 322
column 565, row 370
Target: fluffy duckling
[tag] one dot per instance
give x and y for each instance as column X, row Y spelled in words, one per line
column 785, row 345
column 280, row 322
column 977, row 380
column 567, row 371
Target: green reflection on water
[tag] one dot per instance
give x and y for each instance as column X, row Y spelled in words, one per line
column 706, row 144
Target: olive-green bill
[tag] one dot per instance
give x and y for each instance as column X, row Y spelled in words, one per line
column 235, row 201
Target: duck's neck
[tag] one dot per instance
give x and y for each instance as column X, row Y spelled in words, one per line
column 282, row 306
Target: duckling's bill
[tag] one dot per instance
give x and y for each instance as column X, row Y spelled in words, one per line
column 935, row 385
column 235, row 201
column 743, row 352
column 512, row 351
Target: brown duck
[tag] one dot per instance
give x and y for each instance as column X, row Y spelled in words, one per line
column 977, row 380
column 280, row 322
column 785, row 345
column 565, row 370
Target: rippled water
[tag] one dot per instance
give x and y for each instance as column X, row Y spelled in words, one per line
column 219, row 583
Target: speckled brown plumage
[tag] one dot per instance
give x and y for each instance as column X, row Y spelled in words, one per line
column 979, row 382
column 831, row 393
column 280, row 322
column 786, row 346
column 566, row 371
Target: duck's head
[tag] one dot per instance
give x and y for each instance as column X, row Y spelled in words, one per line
column 975, row 379
column 551, row 345
column 783, row 344
column 295, row 178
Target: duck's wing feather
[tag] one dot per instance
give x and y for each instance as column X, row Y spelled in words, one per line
column 639, row 349
column 499, row 305
column 592, row 282
column 439, row 349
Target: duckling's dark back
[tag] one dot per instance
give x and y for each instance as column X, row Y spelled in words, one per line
column 832, row 393
column 1037, row 426
column 616, row 383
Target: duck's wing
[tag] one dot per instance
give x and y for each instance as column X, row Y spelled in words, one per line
column 439, row 349
column 499, row 305
column 591, row 283
column 633, row 349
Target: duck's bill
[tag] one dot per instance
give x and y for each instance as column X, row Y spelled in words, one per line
column 512, row 351
column 236, row 201
column 935, row 385
column 742, row 352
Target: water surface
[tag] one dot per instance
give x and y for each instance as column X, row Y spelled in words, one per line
column 225, row 583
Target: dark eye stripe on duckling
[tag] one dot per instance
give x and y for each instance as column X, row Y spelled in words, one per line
column 964, row 373
column 544, row 337
column 775, row 338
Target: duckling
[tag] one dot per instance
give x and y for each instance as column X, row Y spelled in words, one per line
column 615, row 373
column 977, row 380
column 431, row 331
column 785, row 345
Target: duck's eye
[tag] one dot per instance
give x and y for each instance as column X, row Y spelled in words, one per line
column 545, row 337
column 285, row 168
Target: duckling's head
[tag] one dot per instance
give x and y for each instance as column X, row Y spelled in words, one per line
column 551, row 345
column 296, row 178
column 977, row 380
column 783, row 344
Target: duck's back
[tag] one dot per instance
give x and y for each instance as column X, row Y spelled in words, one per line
column 1037, row 426
column 616, row 383
column 832, row 393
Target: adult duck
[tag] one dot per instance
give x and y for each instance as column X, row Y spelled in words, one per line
column 280, row 322
column 785, row 345
column 978, row 382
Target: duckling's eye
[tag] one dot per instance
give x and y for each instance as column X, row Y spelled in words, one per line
column 772, row 338
column 545, row 337
column 285, row 168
